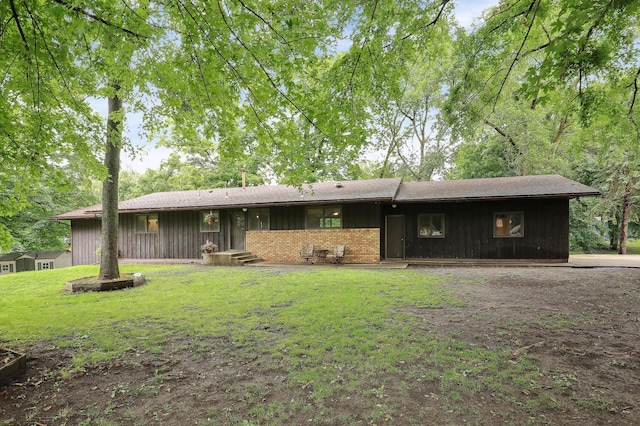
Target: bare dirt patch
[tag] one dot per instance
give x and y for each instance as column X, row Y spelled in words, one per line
column 580, row 327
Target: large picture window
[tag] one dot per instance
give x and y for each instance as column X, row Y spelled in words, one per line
column 431, row 226
column 324, row 217
column 508, row 224
column 147, row 224
column 258, row 219
column 210, row 221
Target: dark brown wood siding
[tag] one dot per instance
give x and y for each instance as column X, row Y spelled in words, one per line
column 361, row 215
column 86, row 237
column 178, row 237
column 469, row 230
column 287, row 218
column 365, row 215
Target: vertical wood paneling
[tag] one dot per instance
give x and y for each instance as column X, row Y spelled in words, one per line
column 365, row 215
column 178, row 237
column 287, row 218
column 469, row 230
column 86, row 237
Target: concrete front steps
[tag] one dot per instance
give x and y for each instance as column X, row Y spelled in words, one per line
column 229, row 258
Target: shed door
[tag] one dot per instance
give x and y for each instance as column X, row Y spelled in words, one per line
column 395, row 237
column 237, row 229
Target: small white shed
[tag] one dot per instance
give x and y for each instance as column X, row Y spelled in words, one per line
column 55, row 259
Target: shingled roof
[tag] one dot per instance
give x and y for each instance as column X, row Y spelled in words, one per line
column 381, row 190
column 542, row 186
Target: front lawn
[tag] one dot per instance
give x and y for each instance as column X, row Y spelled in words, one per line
column 320, row 345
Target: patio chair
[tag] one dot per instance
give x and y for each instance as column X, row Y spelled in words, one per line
column 306, row 252
column 338, row 254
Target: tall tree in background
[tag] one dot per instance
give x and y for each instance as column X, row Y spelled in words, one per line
column 610, row 146
column 58, row 189
column 274, row 71
column 407, row 124
column 533, row 70
column 203, row 71
column 64, row 53
column 45, row 118
column 543, row 52
column 175, row 174
column 568, row 43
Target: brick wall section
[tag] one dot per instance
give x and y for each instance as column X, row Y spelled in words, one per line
column 362, row 244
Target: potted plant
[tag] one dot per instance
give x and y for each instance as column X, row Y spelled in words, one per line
column 209, row 247
column 211, row 218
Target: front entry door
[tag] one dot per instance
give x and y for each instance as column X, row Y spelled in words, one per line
column 395, row 237
column 237, row 231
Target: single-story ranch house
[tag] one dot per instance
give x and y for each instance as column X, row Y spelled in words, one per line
column 523, row 217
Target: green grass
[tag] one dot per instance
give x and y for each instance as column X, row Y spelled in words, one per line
column 338, row 331
column 230, row 302
column 633, row 247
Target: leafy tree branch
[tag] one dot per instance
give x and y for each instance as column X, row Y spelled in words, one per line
column 96, row 18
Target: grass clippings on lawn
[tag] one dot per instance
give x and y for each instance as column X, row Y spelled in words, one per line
column 325, row 346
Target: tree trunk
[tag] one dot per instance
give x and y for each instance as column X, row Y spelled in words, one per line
column 624, row 224
column 109, row 258
column 613, row 235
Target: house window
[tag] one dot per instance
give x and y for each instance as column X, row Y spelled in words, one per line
column 324, row 217
column 258, row 219
column 431, row 226
column 42, row 266
column 508, row 224
column 5, row 268
column 210, row 221
column 147, row 224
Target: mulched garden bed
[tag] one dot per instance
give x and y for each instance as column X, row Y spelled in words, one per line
column 94, row 284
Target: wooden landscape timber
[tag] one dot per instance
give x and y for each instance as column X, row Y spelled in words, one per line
column 12, row 365
column 82, row 285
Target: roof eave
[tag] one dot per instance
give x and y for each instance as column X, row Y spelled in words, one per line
column 498, row 198
column 78, row 216
column 256, row 205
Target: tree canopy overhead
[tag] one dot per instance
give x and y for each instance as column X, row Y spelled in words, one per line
column 295, row 77
column 305, row 86
column 547, row 47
